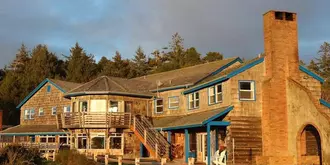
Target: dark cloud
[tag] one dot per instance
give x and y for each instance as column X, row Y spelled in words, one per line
column 102, row 27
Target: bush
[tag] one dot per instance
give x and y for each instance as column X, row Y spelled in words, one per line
column 19, row 155
column 73, row 157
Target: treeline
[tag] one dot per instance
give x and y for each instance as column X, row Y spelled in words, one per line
column 30, row 67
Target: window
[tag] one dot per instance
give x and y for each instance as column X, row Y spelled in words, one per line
column 82, row 141
column 83, row 106
column 215, row 94
column 246, row 90
column 74, row 107
column 41, row 112
column 29, row 114
column 159, row 105
column 115, row 141
column 54, row 111
column 66, row 109
column 49, row 88
column 97, row 141
column 47, row 139
column 64, row 140
column 173, row 102
column 193, row 100
column 113, row 106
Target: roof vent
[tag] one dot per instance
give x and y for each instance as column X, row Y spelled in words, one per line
column 279, row 15
column 289, row 16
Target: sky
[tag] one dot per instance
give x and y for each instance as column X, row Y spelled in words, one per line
column 101, row 27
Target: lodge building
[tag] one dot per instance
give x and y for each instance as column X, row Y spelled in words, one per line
column 265, row 111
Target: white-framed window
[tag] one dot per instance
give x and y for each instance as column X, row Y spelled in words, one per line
column 173, row 102
column 83, row 105
column 193, row 100
column 114, row 106
column 54, row 109
column 29, row 114
column 159, row 105
column 116, row 141
column 47, row 138
column 97, row 141
column 41, row 112
column 215, row 94
column 66, row 109
column 246, row 90
column 64, row 139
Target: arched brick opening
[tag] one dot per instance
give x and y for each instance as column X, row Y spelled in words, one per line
column 309, row 145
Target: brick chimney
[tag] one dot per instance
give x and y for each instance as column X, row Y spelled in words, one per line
column 281, row 62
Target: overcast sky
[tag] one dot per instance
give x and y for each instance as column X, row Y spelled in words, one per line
column 233, row 27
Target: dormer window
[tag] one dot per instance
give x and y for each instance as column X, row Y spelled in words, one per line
column 215, row 94
column 246, row 90
column 159, row 105
column 193, row 100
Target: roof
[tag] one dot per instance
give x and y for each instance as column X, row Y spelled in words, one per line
column 225, row 74
column 193, row 119
column 187, row 75
column 32, row 130
column 63, row 86
column 112, row 85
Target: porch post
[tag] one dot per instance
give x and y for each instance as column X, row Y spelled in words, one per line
column 186, row 145
column 216, row 138
column 169, row 133
column 208, row 144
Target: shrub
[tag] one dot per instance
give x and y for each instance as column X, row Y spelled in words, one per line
column 19, row 155
column 73, row 157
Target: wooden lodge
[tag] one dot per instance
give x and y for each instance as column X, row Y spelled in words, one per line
column 264, row 111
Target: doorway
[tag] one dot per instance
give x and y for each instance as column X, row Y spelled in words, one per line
column 201, row 147
column 309, row 147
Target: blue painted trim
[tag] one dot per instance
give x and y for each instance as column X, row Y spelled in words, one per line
column 227, row 110
column 314, row 75
column 36, row 90
column 216, row 138
column 325, row 103
column 49, row 87
column 34, row 133
column 169, row 138
column 254, row 97
column 180, row 127
column 171, row 88
column 219, row 123
column 224, row 78
column 208, row 132
column 221, row 68
column 173, row 108
column 186, row 145
column 141, row 150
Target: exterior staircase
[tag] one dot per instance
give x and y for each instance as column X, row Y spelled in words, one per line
column 153, row 140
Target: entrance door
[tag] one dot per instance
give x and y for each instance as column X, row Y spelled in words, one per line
column 201, row 147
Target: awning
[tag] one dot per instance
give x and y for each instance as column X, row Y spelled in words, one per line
column 192, row 120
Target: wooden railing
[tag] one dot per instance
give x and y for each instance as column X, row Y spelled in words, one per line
column 94, row 120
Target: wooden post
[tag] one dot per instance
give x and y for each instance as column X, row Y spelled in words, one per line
column 134, row 123
column 47, row 155
column 120, row 160
column 145, row 136
column 95, row 157
column 137, row 161
column 163, row 161
column 54, row 155
column 106, row 160
column 156, row 146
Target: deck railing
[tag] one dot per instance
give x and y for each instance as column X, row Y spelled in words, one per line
column 94, row 120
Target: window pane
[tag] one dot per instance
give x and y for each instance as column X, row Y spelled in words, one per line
column 97, row 143
column 173, row 102
column 245, row 94
column 159, row 109
column 245, row 85
column 159, row 102
column 174, row 105
column 63, row 140
column 82, row 142
column 54, row 111
column 219, row 88
column 74, row 107
column 115, row 142
column 32, row 114
column 43, row 139
column 113, row 106
column 197, row 103
column 219, row 97
column 212, row 99
column 197, row 95
column 191, row 104
column 26, row 114
column 83, row 106
column 51, row 139
column 211, row 91
column 41, row 112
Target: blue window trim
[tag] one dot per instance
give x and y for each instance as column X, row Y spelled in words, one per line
column 155, row 104
column 194, row 93
column 49, row 87
column 173, row 108
column 325, row 103
column 215, row 95
column 254, row 92
column 37, row 89
column 55, row 111
column 224, row 78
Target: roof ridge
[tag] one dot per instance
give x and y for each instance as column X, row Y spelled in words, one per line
column 110, row 79
column 232, row 58
column 96, row 81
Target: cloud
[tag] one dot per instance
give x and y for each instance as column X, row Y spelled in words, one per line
column 102, row 27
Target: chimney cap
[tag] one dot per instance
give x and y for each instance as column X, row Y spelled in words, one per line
column 273, row 11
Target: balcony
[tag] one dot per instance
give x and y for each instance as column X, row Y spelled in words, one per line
column 76, row 120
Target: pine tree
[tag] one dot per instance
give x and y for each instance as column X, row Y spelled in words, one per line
column 324, row 60
column 314, row 67
column 101, row 65
column 140, row 66
column 81, row 67
column 21, row 60
column 177, row 53
column 213, row 56
column 192, row 57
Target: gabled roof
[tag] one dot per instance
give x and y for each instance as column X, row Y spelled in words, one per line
column 180, row 78
column 112, row 85
column 63, row 86
column 197, row 119
column 224, row 75
column 32, row 130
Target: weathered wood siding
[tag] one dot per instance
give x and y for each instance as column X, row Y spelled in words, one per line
column 45, row 100
column 311, row 83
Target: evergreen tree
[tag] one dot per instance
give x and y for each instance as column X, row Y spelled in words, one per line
column 118, row 67
column 140, row 65
column 324, row 60
column 213, row 56
column 101, row 65
column 177, row 53
column 81, row 67
column 314, row 67
column 192, row 57
column 21, row 60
